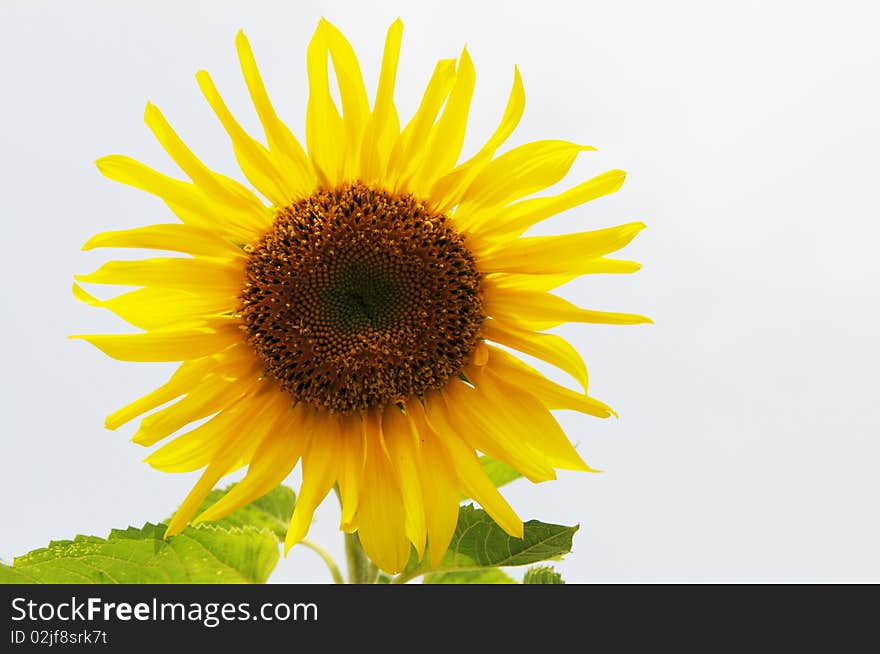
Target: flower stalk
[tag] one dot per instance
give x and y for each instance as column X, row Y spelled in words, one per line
column 360, row 569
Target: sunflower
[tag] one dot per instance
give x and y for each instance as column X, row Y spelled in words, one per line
column 361, row 315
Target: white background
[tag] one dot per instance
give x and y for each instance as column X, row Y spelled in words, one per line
column 747, row 446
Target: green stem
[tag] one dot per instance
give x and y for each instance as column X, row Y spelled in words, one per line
column 360, row 569
column 325, row 556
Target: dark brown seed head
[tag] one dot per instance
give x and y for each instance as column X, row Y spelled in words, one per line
column 357, row 297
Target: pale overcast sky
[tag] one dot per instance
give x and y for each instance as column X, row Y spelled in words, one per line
column 749, row 430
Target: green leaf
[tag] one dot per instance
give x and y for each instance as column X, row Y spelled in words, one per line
column 479, row 576
column 272, row 511
column 198, row 555
column 500, row 473
column 542, row 574
column 479, row 542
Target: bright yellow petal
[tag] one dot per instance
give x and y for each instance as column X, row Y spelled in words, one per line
column 551, row 394
column 223, row 189
column 320, row 464
column 325, row 131
column 515, row 174
column 351, row 464
column 165, row 344
column 535, row 310
column 298, row 171
column 558, row 254
column 381, row 515
column 199, row 274
column 449, row 189
column 227, row 454
column 352, row 94
column 254, row 159
column 517, row 218
column 474, row 481
column 186, row 199
column 273, row 460
column 529, row 282
column 542, row 282
column 410, row 147
column 447, row 136
column 212, row 395
column 185, row 377
column 226, row 436
column 171, row 237
column 383, row 127
column 524, row 418
column 152, row 308
column 464, row 410
column 439, row 485
column 406, row 460
column 548, row 347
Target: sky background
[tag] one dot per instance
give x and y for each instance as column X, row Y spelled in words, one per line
column 749, row 430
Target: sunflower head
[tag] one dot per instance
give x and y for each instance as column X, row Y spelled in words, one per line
column 359, row 306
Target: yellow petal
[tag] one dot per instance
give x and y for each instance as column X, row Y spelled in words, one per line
column 527, row 420
column 381, row 515
column 229, row 453
column 548, row 347
column 470, row 473
column 463, row 409
column 273, row 460
column 351, row 464
column 536, row 310
column 410, row 147
column 222, row 188
column 194, row 499
column 225, row 437
column 187, row 375
column 517, row 218
column 551, row 394
column 152, row 308
column 406, row 461
column 325, row 131
column 449, row 189
column 212, row 395
column 255, row 161
column 199, row 274
column 298, row 172
column 447, row 136
column 542, row 282
column 530, row 282
column 439, row 486
column 558, row 254
column 320, row 464
column 186, row 200
column 520, row 172
column 383, row 127
column 352, row 94
column 171, row 237
column 164, row 344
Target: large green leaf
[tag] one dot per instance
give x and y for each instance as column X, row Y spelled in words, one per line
column 272, row 511
column 240, row 548
column 479, row 542
column 479, row 576
column 198, row 555
column 542, row 574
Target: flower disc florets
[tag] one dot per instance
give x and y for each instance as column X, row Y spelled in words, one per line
column 357, row 297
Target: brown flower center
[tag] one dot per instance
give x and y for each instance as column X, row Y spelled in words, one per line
column 357, row 297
